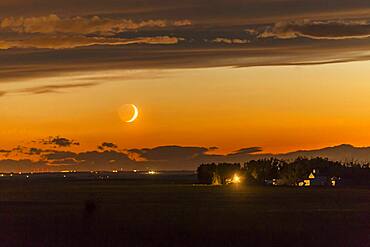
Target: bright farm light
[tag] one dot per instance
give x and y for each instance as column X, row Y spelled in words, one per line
column 236, row 179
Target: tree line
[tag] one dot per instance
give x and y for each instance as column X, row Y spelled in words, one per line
column 258, row 172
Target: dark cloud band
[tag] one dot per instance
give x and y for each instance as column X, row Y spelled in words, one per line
column 108, row 157
column 68, row 36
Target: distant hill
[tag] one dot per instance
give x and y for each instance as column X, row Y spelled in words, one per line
column 167, row 158
column 343, row 152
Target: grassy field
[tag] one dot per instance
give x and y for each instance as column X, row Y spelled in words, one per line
column 175, row 212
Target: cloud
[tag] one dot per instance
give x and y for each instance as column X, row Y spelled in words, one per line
column 4, row 152
column 78, row 80
column 24, row 165
column 73, row 41
column 230, row 41
column 106, row 160
column 63, row 158
column 329, row 30
column 251, row 150
column 72, row 163
column 107, row 145
column 175, row 157
column 90, row 160
column 21, row 65
column 52, row 24
column 165, row 153
column 54, row 32
column 229, row 12
column 59, row 141
column 192, row 52
column 59, row 155
column 54, row 88
column 34, row 151
column 68, row 36
column 181, row 23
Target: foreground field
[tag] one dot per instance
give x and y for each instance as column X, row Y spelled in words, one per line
column 175, row 212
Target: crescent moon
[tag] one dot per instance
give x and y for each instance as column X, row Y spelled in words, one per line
column 136, row 113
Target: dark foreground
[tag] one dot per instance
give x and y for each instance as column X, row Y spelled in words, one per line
column 171, row 211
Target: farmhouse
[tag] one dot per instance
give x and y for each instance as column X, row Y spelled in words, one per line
column 315, row 179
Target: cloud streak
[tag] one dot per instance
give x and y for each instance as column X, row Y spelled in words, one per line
column 231, row 41
column 54, row 88
column 67, row 42
column 53, row 24
column 58, row 141
column 54, row 32
column 329, row 30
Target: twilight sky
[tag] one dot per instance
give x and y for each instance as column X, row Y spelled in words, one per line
column 279, row 74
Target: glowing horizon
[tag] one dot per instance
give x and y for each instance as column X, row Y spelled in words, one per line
column 245, row 107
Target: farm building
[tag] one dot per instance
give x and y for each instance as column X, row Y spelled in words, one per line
column 316, row 179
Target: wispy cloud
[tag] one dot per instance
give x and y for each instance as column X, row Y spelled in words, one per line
column 169, row 152
column 54, row 32
column 71, row 41
column 54, row 88
column 53, row 24
column 329, row 30
column 231, row 41
column 58, row 141
column 107, row 145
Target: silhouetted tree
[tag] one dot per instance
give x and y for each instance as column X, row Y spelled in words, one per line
column 289, row 173
column 216, row 173
column 206, row 173
column 258, row 171
column 301, row 167
column 227, row 170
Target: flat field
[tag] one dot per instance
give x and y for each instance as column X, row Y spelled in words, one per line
column 171, row 210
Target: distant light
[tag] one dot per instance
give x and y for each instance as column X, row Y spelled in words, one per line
column 1, row 175
column 152, row 172
column 236, row 179
column 114, row 171
column 333, row 182
column 64, row 176
column 135, row 170
column 307, row 182
column 27, row 176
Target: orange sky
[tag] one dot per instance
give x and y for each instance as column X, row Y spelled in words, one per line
column 218, row 82
column 280, row 108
